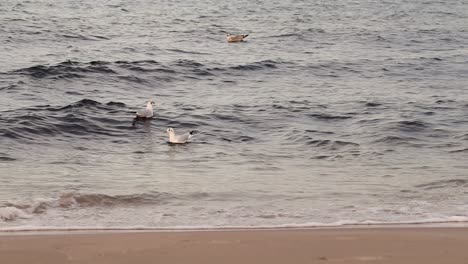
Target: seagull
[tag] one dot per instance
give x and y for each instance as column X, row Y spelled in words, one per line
column 178, row 139
column 235, row 38
column 145, row 113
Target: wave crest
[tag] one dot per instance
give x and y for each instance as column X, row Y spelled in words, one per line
column 75, row 200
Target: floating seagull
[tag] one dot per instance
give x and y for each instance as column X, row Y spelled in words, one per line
column 235, row 38
column 178, row 139
column 146, row 113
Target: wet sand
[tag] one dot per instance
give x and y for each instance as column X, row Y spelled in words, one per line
column 340, row 245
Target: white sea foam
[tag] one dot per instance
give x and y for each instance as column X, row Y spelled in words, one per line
column 10, row 213
column 443, row 221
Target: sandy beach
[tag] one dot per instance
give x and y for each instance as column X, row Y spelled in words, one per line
column 340, row 245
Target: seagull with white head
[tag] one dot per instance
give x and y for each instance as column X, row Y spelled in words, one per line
column 178, row 139
column 145, row 113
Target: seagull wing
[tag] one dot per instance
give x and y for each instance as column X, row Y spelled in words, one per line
column 144, row 113
column 184, row 137
column 235, row 38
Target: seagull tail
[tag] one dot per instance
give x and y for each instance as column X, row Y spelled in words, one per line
column 192, row 132
column 244, row 36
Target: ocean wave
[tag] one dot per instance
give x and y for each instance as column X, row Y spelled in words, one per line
column 331, row 144
column 68, row 200
column 10, row 213
column 318, row 143
column 78, row 118
column 75, row 200
column 9, row 87
column 83, row 37
column 84, row 103
column 409, row 126
column 140, row 71
column 187, row 52
column 298, row 34
column 324, row 116
column 239, row 139
column 285, row 35
column 464, row 150
column 255, row 66
column 188, row 63
column 372, row 104
column 66, row 69
column 4, row 158
column 452, row 183
column 398, row 140
column 292, row 108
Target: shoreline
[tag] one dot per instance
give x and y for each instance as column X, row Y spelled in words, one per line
column 92, row 230
column 397, row 245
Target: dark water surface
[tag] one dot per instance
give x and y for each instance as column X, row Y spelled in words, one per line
column 332, row 112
